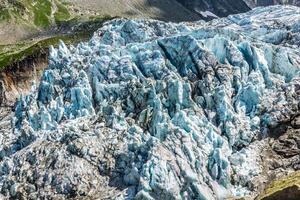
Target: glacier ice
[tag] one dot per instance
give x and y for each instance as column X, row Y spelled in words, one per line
column 191, row 99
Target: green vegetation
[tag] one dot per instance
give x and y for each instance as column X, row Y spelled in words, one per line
column 10, row 10
column 40, row 16
column 13, row 53
column 62, row 13
column 4, row 15
column 37, row 13
column 284, row 188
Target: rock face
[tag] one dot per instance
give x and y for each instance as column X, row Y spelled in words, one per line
column 215, row 8
column 167, row 10
column 17, row 78
column 154, row 110
column 210, row 9
column 253, row 3
column 285, row 188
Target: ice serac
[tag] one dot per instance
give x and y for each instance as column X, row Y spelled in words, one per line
column 182, row 105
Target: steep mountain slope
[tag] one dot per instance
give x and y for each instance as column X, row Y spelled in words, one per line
column 155, row 110
column 209, row 9
column 38, row 13
column 170, row 10
column 167, row 10
column 253, row 3
column 19, row 19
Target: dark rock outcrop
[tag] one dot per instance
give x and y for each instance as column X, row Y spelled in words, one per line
column 209, row 9
column 220, row 8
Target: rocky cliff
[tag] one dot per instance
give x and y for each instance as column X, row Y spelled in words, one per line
column 155, row 110
column 253, row 3
column 209, row 9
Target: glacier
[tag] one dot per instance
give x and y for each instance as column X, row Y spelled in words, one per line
column 166, row 110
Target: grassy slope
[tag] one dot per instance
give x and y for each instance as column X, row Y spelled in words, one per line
column 42, row 15
column 166, row 10
column 280, row 185
column 10, row 54
column 38, row 13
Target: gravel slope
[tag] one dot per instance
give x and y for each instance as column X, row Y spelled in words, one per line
column 168, row 10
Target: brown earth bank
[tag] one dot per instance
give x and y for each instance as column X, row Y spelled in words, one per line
column 18, row 78
column 27, row 63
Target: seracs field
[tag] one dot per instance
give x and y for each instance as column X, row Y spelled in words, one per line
column 156, row 110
